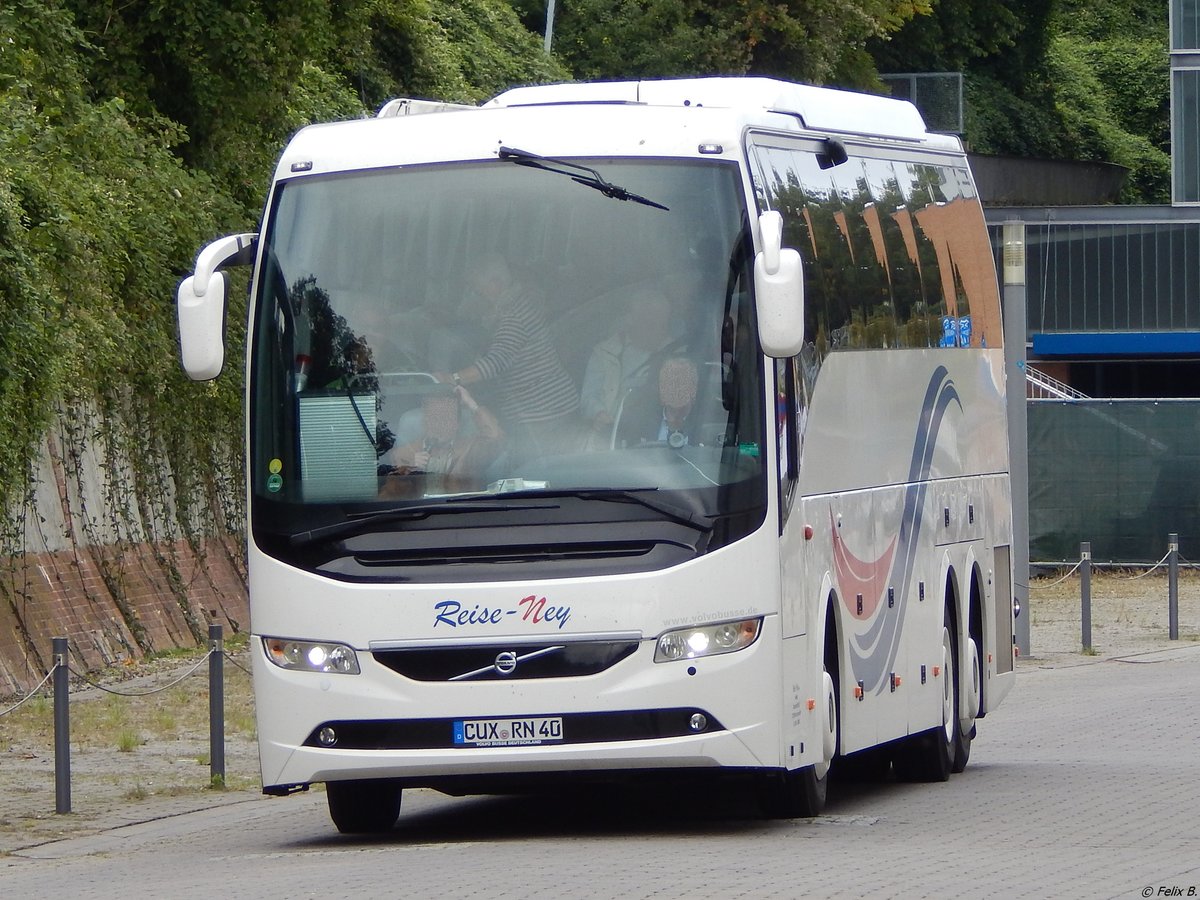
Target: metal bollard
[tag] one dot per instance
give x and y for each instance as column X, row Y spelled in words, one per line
column 62, row 727
column 216, row 706
column 1085, row 591
column 1173, row 587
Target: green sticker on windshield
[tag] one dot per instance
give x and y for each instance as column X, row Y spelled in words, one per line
column 275, row 483
column 748, row 450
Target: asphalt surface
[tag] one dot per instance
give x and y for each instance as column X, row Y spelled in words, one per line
column 1086, row 783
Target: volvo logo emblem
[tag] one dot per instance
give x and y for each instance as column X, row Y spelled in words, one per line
column 506, row 663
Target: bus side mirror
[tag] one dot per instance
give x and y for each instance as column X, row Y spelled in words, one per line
column 778, row 290
column 201, row 327
column 200, row 305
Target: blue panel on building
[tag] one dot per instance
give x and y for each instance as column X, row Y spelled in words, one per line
column 1117, row 343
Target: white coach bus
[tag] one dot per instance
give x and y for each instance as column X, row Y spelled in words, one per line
column 619, row 430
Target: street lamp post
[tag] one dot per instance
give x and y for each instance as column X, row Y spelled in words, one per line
column 549, row 24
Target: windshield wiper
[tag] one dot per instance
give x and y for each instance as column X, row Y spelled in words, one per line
column 630, row 495
column 577, row 173
column 357, row 522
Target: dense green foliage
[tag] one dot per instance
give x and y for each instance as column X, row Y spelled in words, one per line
column 1061, row 79
column 242, row 77
column 129, row 137
column 132, row 134
column 96, row 215
column 1112, row 74
column 821, row 41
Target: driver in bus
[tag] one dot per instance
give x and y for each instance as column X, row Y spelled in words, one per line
column 666, row 415
column 624, row 359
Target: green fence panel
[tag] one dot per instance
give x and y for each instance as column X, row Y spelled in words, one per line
column 1122, row 474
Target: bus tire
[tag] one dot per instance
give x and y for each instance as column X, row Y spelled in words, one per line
column 966, row 728
column 794, row 794
column 932, row 755
column 369, row 806
column 801, row 793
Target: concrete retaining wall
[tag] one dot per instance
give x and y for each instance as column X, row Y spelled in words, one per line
column 89, row 559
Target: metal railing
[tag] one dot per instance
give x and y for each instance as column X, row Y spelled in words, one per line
column 1047, row 387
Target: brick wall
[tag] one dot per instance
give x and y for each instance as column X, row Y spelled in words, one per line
column 114, row 604
column 85, row 560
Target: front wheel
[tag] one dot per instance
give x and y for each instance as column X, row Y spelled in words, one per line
column 801, row 793
column 794, row 794
column 363, row 807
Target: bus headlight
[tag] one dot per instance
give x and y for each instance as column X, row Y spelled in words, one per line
column 311, row 656
column 706, row 640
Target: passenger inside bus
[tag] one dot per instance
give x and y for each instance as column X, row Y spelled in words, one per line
column 450, row 439
column 538, row 401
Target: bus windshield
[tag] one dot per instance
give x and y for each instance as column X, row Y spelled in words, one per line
column 450, row 333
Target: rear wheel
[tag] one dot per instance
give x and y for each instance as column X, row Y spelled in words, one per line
column 966, row 727
column 364, row 807
column 932, row 755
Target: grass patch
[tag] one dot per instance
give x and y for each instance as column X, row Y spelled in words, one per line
column 241, row 721
column 136, row 743
column 164, row 721
column 237, row 642
column 173, row 654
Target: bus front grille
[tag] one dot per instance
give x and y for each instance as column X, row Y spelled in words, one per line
column 499, row 662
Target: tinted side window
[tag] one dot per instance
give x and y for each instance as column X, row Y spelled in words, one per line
column 896, row 252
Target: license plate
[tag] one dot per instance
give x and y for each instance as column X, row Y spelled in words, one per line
column 507, row 732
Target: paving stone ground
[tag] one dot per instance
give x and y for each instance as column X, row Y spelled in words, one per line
column 164, row 776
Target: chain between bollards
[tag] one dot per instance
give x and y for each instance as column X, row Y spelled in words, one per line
column 61, row 674
column 62, row 727
column 216, row 706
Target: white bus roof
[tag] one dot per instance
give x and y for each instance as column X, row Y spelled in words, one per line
column 663, row 118
column 821, row 109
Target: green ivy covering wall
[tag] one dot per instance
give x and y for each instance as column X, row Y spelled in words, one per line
column 126, row 144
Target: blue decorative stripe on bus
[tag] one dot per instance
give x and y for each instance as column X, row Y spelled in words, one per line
column 874, row 651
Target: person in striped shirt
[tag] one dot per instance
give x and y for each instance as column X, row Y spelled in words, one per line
column 538, row 401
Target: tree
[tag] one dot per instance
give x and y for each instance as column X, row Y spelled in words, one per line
column 819, row 41
column 240, row 78
column 97, row 215
column 1111, row 73
column 1000, row 45
column 1064, row 79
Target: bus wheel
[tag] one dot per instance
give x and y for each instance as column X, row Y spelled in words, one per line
column 801, row 793
column 931, row 755
column 363, row 807
column 966, row 727
column 794, row 794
